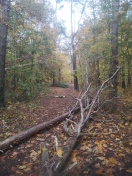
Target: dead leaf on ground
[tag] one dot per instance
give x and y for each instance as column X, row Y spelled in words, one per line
column 22, row 167
column 59, row 152
column 27, row 169
column 33, row 153
column 97, row 165
column 100, row 170
column 129, row 170
column 14, row 154
column 113, row 161
column 110, row 171
column 40, row 139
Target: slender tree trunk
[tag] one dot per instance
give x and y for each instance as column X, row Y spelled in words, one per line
column 98, row 74
column 86, row 68
column 5, row 7
column 54, row 81
column 73, row 56
column 123, row 77
column 59, row 74
column 75, row 73
column 129, row 71
column 96, row 62
column 114, row 59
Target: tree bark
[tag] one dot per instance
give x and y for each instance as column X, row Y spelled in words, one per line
column 129, row 71
column 73, row 56
column 75, row 72
column 123, row 77
column 114, row 47
column 9, row 142
column 4, row 7
column 98, row 74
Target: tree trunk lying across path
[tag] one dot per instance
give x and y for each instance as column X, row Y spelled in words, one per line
column 9, row 142
column 55, row 167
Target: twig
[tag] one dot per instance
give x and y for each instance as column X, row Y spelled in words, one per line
column 80, row 124
column 77, row 132
column 83, row 9
column 104, row 120
column 117, row 127
column 72, row 127
column 95, row 134
column 66, row 171
column 70, row 111
column 104, row 103
column 105, row 88
column 97, row 94
column 91, row 128
column 87, row 166
column 86, row 91
column 71, row 121
column 62, row 96
column 56, row 142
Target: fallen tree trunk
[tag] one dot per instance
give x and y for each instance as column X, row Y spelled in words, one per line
column 48, row 168
column 77, row 132
column 9, row 142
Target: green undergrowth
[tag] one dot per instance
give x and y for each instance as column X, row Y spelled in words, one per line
column 62, row 85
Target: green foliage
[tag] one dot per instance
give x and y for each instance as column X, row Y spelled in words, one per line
column 29, row 50
column 94, row 48
column 25, row 83
column 31, row 60
column 62, row 85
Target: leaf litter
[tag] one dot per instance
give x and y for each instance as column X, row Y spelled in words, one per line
column 101, row 153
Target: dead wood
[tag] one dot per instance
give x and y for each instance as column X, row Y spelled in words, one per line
column 67, row 150
column 9, row 142
column 44, row 158
column 52, row 169
column 62, row 96
column 77, row 132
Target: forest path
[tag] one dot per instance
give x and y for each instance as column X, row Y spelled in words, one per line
column 108, row 153
column 21, row 116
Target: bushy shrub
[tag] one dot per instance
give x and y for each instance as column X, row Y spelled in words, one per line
column 62, row 85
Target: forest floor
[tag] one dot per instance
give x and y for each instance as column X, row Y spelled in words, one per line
column 108, row 153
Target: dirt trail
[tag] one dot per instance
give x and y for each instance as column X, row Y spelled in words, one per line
column 109, row 153
column 21, row 116
column 24, row 159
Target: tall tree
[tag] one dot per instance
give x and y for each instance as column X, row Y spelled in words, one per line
column 30, row 49
column 73, row 34
column 4, row 8
column 73, row 56
column 74, row 4
column 114, row 42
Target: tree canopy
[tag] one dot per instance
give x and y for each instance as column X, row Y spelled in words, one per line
column 40, row 52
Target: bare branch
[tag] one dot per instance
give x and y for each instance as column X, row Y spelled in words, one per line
column 56, row 143
column 97, row 94
column 83, row 9
column 66, row 171
column 78, row 131
column 104, row 103
column 71, row 121
column 95, row 134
